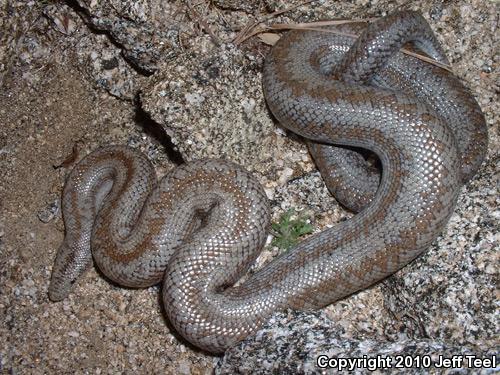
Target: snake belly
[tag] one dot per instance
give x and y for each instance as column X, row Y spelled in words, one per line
column 203, row 225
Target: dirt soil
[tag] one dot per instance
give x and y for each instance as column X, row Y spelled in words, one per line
column 52, row 114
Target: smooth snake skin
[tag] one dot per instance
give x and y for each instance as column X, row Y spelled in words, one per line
column 202, row 225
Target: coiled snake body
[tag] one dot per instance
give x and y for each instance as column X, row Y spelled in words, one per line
column 203, row 225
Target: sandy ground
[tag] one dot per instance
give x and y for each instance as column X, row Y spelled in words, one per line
column 48, row 109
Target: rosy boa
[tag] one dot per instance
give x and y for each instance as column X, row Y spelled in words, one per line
column 201, row 227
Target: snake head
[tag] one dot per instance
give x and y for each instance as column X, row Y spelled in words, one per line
column 71, row 262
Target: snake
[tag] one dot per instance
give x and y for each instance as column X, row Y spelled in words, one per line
column 394, row 137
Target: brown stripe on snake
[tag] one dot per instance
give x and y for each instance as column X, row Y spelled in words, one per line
column 204, row 224
column 106, row 222
column 164, row 203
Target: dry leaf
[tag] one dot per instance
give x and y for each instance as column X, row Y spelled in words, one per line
column 269, row 38
column 64, row 24
column 70, row 159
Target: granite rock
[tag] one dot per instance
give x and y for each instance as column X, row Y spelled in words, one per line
column 310, row 343
column 179, row 71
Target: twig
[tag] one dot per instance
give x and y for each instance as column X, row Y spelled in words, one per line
column 306, row 27
column 204, row 24
column 302, row 26
column 241, row 37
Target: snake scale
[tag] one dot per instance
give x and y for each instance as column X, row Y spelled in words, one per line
column 200, row 228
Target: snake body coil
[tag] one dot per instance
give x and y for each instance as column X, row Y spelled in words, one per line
column 204, row 224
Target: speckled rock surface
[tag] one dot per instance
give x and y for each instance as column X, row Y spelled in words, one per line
column 217, row 96
column 303, row 343
column 97, row 72
column 147, row 31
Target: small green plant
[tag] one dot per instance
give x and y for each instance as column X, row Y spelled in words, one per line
column 288, row 230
